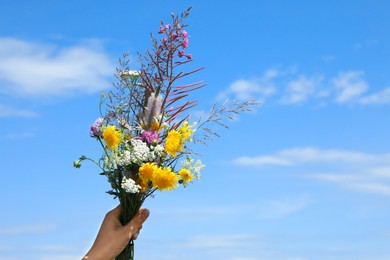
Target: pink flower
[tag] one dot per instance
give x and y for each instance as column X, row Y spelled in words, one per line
column 96, row 128
column 180, row 54
column 164, row 28
column 189, row 56
column 184, row 44
column 184, row 34
column 149, row 136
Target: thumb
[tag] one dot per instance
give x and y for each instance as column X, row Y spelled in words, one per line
column 135, row 224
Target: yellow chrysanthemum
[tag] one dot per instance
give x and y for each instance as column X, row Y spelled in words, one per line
column 164, row 179
column 156, row 126
column 173, row 143
column 186, row 175
column 112, row 137
column 186, row 131
column 146, row 172
column 144, row 185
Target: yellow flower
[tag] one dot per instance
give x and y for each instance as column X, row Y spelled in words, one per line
column 173, row 143
column 186, row 131
column 186, row 175
column 155, row 126
column 112, row 137
column 146, row 172
column 164, row 179
column 144, row 185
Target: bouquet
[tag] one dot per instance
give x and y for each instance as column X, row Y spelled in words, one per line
column 145, row 129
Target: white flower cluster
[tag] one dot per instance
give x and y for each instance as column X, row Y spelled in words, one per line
column 158, row 151
column 129, row 73
column 195, row 167
column 129, row 185
column 140, row 153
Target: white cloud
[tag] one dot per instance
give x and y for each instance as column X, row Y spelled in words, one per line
column 36, row 69
column 290, row 87
column 356, row 170
column 50, row 247
column 259, row 88
column 381, row 171
column 270, row 209
column 261, row 160
column 300, row 89
column 27, row 229
column 350, row 86
column 310, row 155
column 16, row 112
column 360, row 181
column 366, row 44
column 381, row 97
column 20, row 135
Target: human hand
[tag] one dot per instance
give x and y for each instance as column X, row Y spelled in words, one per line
column 113, row 236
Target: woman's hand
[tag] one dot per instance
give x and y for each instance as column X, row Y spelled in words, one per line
column 113, row 237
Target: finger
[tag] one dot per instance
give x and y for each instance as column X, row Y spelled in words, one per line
column 134, row 237
column 136, row 223
column 112, row 217
column 116, row 211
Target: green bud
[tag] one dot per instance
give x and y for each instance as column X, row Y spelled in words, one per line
column 77, row 163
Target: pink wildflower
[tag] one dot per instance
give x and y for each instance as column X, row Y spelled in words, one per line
column 149, row 136
column 174, row 36
column 96, row 128
column 184, row 44
column 184, row 35
column 164, row 28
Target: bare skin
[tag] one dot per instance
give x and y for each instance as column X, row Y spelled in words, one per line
column 113, row 237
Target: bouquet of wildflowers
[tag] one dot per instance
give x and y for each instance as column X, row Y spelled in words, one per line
column 144, row 130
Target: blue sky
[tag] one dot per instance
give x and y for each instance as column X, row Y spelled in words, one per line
column 304, row 176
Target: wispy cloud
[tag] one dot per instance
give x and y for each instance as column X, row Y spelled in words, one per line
column 27, row 229
column 266, row 208
column 301, row 155
column 300, row 89
column 366, row 44
column 259, row 87
column 16, row 112
column 350, row 86
column 37, row 69
column 19, row 135
column 357, row 181
column 352, row 169
column 381, row 97
column 279, row 208
column 290, row 87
